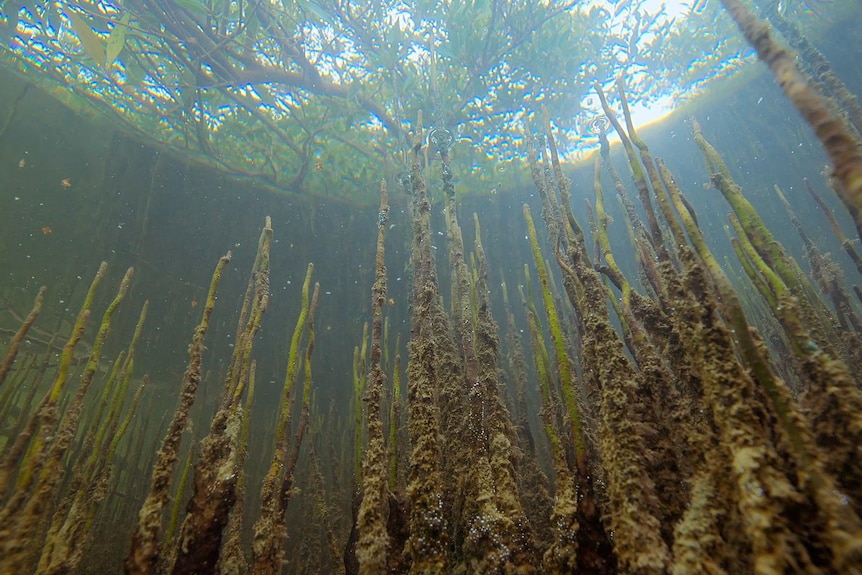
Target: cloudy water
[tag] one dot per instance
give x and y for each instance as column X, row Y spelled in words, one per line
column 430, row 287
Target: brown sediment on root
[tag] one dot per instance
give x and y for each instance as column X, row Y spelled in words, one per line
column 217, row 472
column 372, row 547
column 580, row 538
column 779, row 472
column 766, row 499
column 664, row 416
column 817, row 316
column 560, row 550
column 511, row 532
column 818, row 65
column 655, row 235
column 833, row 404
column 481, row 530
column 26, row 515
column 836, row 229
column 15, row 342
column 828, row 277
column 635, row 514
column 470, row 507
column 623, row 453
column 843, row 148
column 232, row 560
column 532, row 482
column 215, row 480
column 145, row 555
column 69, row 533
column 428, row 543
column 707, row 539
column 807, row 437
column 270, row 529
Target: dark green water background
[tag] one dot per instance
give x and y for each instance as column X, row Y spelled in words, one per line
column 131, row 205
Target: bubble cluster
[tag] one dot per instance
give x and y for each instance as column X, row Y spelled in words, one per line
column 597, row 126
column 440, row 139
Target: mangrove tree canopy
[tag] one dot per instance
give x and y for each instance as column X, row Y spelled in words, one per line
column 317, row 96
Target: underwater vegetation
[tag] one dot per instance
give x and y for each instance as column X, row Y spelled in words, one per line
column 689, row 419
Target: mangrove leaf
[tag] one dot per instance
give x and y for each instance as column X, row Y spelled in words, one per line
column 92, row 44
column 117, row 40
